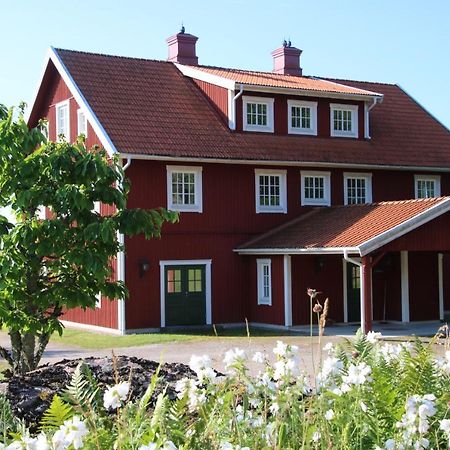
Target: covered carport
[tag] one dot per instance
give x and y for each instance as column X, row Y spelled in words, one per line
column 414, row 232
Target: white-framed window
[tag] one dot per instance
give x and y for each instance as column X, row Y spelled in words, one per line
column 427, row 186
column 344, row 120
column 81, row 123
column 302, row 117
column 270, row 191
column 257, row 113
column 63, row 120
column 315, row 188
column 357, row 188
column 264, row 278
column 184, row 188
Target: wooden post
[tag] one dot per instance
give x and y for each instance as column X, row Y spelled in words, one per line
column 366, row 270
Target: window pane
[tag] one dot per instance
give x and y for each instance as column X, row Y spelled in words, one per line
column 195, row 280
column 257, row 114
column 356, row 191
column 183, row 188
column 269, row 190
column 173, row 281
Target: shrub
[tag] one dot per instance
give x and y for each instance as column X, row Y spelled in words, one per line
column 366, row 394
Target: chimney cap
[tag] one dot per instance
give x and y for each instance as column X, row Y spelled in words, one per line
column 286, row 59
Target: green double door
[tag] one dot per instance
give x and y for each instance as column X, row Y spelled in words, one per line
column 185, row 295
column 353, row 293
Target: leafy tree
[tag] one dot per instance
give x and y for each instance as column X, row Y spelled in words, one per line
column 63, row 261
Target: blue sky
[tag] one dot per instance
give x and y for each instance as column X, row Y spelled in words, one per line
column 397, row 41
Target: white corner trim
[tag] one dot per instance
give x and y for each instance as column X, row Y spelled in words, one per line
column 344, row 288
column 436, row 179
column 343, row 107
column 201, row 75
column 404, row 277
column 82, row 102
column 80, row 112
column 326, row 201
column 198, row 193
column 208, row 286
column 405, row 227
column 441, row 285
column 358, row 175
column 269, row 102
column 287, row 277
column 313, row 109
column 282, row 208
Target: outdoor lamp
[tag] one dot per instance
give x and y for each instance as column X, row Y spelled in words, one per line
column 144, row 266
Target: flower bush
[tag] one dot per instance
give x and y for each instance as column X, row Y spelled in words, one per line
column 365, row 394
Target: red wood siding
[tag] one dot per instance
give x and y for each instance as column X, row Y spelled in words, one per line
column 218, row 96
column 423, row 286
column 446, row 273
column 273, row 314
column 281, row 113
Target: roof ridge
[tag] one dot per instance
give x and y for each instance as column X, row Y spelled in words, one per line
column 357, row 81
column 112, row 56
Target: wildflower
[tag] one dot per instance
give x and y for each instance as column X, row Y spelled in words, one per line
column 444, row 425
column 373, row 337
column 390, row 444
column 259, row 358
column 71, row 433
column 169, row 445
column 201, row 365
column 316, row 436
column 390, row 352
column 274, row 407
column 234, row 358
column 358, row 374
column 312, row 293
column 363, row 406
column 331, row 367
column 329, row 415
column 149, row 446
column 115, row 395
column 328, row 347
column 317, row 308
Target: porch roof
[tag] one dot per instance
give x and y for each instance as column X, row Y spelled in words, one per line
column 351, row 228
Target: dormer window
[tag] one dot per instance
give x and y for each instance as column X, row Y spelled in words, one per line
column 427, row 186
column 344, row 120
column 302, row 117
column 257, row 114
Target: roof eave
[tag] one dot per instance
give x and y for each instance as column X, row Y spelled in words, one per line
column 297, row 251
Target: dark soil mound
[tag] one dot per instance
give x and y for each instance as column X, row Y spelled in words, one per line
column 31, row 394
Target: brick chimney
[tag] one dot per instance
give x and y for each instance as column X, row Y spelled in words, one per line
column 182, row 48
column 286, row 60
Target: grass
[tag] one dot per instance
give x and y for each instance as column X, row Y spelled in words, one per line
column 3, row 367
column 89, row 340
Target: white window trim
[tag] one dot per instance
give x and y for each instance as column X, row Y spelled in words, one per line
column 342, row 107
column 98, row 301
column 81, row 112
column 263, row 100
column 326, row 201
column 197, row 171
column 356, row 175
column 260, row 264
column 58, row 131
column 309, row 131
column 435, row 178
column 283, row 192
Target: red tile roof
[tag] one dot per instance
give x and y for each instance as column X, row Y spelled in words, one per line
column 148, row 107
column 342, row 226
column 270, row 79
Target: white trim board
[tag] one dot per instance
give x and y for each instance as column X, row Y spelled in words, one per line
column 266, row 162
column 52, row 55
column 85, row 326
column 186, row 262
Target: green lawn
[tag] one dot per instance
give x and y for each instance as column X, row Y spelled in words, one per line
column 91, row 340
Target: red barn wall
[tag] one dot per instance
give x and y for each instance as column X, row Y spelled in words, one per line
column 218, row 96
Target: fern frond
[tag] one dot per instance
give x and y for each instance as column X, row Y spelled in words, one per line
column 56, row 414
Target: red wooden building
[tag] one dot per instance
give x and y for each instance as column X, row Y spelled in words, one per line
column 283, row 182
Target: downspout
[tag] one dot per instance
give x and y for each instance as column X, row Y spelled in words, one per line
column 367, row 110
column 359, row 264
column 241, row 90
column 121, row 268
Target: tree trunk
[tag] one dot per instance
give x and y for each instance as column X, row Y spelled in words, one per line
column 26, row 350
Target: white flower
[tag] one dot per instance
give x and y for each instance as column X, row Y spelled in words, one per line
column 285, row 350
column 259, row 358
column 329, row 415
column 149, row 446
column 201, row 365
column 373, row 337
column 316, row 436
column 169, row 445
column 391, row 352
column 390, row 444
column 285, row 368
column 363, row 406
column 234, row 358
column 444, row 425
column 328, row 347
column 358, row 374
column 274, row 407
column 71, row 433
column 115, row 395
